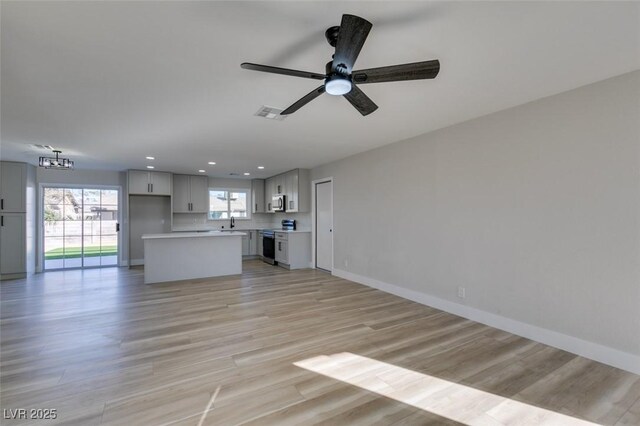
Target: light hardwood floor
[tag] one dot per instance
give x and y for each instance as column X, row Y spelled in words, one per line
column 280, row 347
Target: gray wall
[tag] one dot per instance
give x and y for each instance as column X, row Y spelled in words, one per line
column 148, row 214
column 534, row 210
column 31, row 220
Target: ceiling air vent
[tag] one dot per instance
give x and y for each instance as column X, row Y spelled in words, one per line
column 38, row 146
column 270, row 112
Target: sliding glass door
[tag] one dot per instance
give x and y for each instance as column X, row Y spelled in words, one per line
column 80, row 227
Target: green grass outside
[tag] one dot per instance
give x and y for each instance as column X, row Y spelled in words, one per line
column 74, row 252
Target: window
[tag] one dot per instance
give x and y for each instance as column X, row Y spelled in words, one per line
column 227, row 203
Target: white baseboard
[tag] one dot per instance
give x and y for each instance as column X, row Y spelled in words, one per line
column 594, row 351
column 136, row 262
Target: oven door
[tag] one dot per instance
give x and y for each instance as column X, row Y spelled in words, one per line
column 269, row 248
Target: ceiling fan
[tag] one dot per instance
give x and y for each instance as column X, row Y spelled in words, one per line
column 339, row 77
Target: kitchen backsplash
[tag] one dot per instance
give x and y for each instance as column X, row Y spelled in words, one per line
column 189, row 222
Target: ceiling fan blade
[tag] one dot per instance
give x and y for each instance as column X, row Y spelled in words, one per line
column 351, row 37
column 413, row 71
column 304, row 100
column 360, row 101
column 284, row 71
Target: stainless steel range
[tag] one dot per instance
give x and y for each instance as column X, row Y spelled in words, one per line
column 269, row 240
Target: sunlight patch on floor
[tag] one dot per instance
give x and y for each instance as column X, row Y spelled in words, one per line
column 452, row 400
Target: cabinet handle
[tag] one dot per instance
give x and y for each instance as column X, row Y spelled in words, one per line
column 269, row 206
column 256, row 207
column 279, row 245
column 151, row 187
column 148, row 187
column 2, row 204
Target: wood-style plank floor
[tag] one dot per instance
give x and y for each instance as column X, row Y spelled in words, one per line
column 279, row 347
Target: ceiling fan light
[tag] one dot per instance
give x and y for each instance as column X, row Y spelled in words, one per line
column 338, row 86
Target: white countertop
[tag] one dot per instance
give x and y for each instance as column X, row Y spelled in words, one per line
column 204, row 234
column 203, row 230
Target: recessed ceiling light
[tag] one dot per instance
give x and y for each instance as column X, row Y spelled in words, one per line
column 261, row 167
column 150, row 158
column 247, row 174
column 150, row 167
column 202, row 171
column 213, row 163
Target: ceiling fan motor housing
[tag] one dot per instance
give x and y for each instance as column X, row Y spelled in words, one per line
column 332, row 35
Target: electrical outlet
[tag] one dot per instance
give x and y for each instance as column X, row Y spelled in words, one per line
column 461, row 292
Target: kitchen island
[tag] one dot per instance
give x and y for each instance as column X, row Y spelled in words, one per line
column 188, row 255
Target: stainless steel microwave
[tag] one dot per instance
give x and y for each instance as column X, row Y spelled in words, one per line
column 278, row 203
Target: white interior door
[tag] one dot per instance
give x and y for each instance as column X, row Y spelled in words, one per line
column 324, row 226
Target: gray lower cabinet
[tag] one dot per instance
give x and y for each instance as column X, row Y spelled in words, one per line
column 259, row 243
column 245, row 244
column 250, row 243
column 293, row 249
column 282, row 254
column 253, row 243
column 13, row 234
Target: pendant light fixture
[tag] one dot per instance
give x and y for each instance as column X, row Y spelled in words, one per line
column 56, row 162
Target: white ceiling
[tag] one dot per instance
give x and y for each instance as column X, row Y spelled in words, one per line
column 112, row 82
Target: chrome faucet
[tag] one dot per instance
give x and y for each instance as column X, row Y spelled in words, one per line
column 233, row 222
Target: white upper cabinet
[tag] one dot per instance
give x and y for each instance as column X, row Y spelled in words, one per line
column 149, row 183
column 13, row 183
column 275, row 185
column 292, row 191
column 199, row 194
column 294, row 185
column 280, row 182
column 190, row 194
column 269, row 192
column 257, row 196
column 298, row 188
column 181, row 194
column 160, row 183
column 138, row 182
